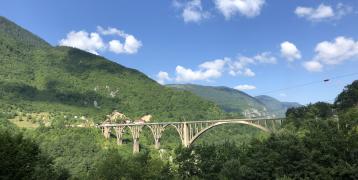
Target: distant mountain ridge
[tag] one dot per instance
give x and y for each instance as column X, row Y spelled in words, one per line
column 275, row 106
column 232, row 100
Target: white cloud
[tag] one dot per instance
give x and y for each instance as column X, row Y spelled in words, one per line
column 290, row 51
column 244, row 87
column 248, row 8
column 283, row 94
column 162, row 77
column 248, row 72
column 333, row 53
column 207, row 71
column 336, row 52
column 313, row 66
column 265, row 57
column 111, row 31
column 90, row 42
column 240, row 66
column 323, row 12
column 214, row 69
column 116, row 46
column 130, row 46
column 192, row 11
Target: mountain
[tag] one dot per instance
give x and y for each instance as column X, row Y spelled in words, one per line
column 232, row 100
column 68, row 83
column 275, row 106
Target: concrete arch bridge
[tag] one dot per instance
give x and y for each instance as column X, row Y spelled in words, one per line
column 188, row 131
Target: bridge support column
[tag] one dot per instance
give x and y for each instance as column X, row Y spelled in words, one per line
column 135, row 135
column 157, row 143
column 119, row 134
column 186, row 135
column 106, row 132
column 135, row 145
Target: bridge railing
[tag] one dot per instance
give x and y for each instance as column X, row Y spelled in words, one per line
column 188, row 122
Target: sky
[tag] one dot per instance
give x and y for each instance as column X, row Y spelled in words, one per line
column 284, row 49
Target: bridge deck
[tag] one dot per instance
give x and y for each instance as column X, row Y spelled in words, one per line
column 187, row 122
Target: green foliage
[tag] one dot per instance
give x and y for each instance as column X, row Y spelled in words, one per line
column 236, row 102
column 237, row 133
column 348, row 98
column 315, row 143
column 140, row 166
column 21, row 158
column 319, row 110
column 228, row 99
column 275, row 106
column 204, row 161
column 75, row 149
column 36, row 77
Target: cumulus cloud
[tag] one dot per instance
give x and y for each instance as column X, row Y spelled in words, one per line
column 248, row 72
column 336, row 52
column 248, row 8
column 290, row 51
column 111, row 31
column 130, row 46
column 333, row 53
column 90, row 42
column 207, row 71
column 240, row 65
column 93, row 42
column 193, row 12
column 214, row 69
column 313, row 66
column 323, row 12
column 265, row 57
column 162, row 77
column 244, row 87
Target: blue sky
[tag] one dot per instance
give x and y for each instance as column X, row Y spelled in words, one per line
column 258, row 46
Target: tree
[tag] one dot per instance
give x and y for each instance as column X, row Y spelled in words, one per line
column 348, row 98
column 21, row 158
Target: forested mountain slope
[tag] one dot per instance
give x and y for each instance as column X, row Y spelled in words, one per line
column 275, row 106
column 68, row 82
column 232, row 100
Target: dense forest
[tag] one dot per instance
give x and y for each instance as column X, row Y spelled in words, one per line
column 317, row 141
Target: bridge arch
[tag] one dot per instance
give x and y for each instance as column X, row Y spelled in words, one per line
column 196, row 136
column 177, row 128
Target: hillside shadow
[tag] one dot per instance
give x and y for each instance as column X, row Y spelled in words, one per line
column 23, row 92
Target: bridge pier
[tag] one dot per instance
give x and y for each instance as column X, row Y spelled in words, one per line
column 106, row 132
column 186, row 139
column 119, row 134
column 135, row 130
column 135, row 145
column 157, row 143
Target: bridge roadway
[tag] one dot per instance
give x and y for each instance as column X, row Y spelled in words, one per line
column 188, row 131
